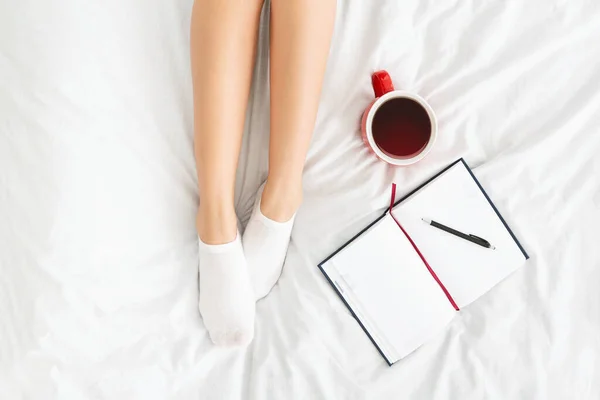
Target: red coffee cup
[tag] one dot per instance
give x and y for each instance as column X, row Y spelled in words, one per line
column 399, row 127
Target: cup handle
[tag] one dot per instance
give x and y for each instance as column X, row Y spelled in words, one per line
column 382, row 83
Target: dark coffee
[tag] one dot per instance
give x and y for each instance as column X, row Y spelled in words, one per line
column 401, row 128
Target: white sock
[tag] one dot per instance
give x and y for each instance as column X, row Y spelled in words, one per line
column 265, row 245
column 226, row 296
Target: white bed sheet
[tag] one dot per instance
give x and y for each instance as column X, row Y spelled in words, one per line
column 98, row 256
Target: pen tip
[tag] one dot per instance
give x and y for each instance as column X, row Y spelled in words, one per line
column 427, row 221
column 493, row 247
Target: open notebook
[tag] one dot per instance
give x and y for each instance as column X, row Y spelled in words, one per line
column 404, row 280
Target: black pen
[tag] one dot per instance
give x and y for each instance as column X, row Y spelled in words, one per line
column 471, row 238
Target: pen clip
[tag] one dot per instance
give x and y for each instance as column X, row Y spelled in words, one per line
column 482, row 240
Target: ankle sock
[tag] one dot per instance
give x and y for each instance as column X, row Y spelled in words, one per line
column 265, row 246
column 226, row 297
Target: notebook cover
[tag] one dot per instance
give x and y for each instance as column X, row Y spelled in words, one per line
column 460, row 160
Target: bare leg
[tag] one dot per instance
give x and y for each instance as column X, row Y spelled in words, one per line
column 300, row 37
column 223, row 41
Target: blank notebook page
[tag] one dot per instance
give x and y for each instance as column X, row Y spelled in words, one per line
column 454, row 199
column 392, row 287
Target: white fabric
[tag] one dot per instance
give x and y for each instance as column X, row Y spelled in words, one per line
column 226, row 301
column 265, row 246
column 98, row 252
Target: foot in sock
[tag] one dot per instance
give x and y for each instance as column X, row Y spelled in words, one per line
column 226, row 297
column 267, row 237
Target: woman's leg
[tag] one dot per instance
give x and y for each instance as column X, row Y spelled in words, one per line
column 223, row 41
column 300, row 37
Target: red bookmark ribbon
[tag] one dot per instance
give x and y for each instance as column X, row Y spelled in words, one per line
column 431, row 271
